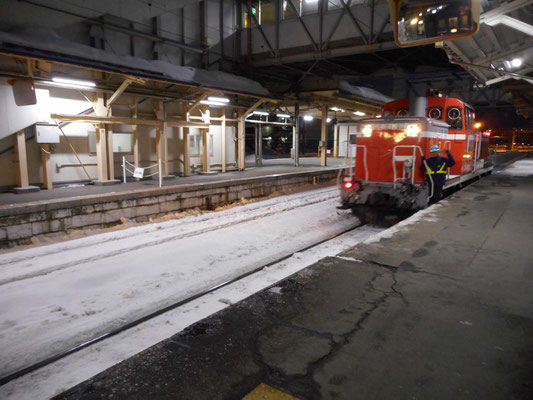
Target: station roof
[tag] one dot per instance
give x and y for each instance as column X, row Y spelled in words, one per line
column 46, row 44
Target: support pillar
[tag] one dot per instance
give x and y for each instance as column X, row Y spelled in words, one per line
column 186, row 149
column 259, row 145
column 296, row 143
column 162, row 138
column 101, row 154
column 47, row 166
column 21, row 160
column 223, row 139
column 241, row 128
column 110, row 154
column 205, row 150
column 324, row 137
column 336, row 141
column 136, row 160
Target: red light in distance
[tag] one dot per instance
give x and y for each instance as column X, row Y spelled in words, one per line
column 486, row 133
column 348, row 185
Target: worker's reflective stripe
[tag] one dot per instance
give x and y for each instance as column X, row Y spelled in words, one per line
column 440, row 171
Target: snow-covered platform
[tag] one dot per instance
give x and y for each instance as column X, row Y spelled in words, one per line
column 439, row 306
column 80, row 206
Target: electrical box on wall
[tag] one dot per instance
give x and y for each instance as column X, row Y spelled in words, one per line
column 45, row 133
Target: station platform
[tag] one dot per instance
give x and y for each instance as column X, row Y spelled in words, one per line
column 439, row 306
column 60, row 214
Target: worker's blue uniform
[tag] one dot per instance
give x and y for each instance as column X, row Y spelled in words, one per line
column 437, row 167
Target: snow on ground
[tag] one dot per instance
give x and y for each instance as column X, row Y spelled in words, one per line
column 80, row 366
column 57, row 296
column 519, row 168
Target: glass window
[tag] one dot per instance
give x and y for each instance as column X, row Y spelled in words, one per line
column 195, row 145
column 267, row 11
column 122, row 142
column 309, row 7
column 468, row 118
column 334, row 4
column 454, row 117
column 402, row 112
column 288, row 11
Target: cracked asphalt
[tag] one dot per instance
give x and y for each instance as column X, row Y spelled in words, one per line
column 443, row 309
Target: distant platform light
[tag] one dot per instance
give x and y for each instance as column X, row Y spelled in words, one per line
column 308, row 118
column 414, row 21
column 260, row 113
column 359, row 113
column 219, row 99
column 212, row 103
column 73, row 82
column 328, row 120
column 283, row 115
column 336, row 109
column 477, row 125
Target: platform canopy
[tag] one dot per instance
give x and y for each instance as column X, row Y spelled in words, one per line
column 501, row 53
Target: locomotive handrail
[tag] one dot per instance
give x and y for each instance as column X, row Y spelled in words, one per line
column 414, row 147
column 450, row 143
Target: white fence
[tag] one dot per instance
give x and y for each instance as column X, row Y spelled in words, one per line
column 138, row 172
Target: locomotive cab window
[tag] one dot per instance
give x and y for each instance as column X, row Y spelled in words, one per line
column 454, row 117
column 402, row 112
column 469, row 118
column 435, row 113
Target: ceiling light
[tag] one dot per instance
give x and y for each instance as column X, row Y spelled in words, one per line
column 260, row 113
column 378, row 116
column 308, row 118
column 434, row 12
column 336, row 109
column 328, row 120
column 218, row 99
column 212, row 103
column 420, row 14
column 283, row 115
column 516, row 62
column 414, row 21
column 359, row 113
column 420, row 22
column 73, row 82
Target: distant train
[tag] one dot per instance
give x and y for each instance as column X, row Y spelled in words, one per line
column 383, row 176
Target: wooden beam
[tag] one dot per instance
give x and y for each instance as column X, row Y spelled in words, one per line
column 187, row 124
column 203, row 96
column 21, row 160
column 324, row 137
column 114, row 97
column 47, row 166
column 254, row 107
column 105, row 120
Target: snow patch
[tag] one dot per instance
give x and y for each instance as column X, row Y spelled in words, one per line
column 519, row 168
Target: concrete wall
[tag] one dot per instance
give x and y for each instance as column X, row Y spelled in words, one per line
column 20, row 223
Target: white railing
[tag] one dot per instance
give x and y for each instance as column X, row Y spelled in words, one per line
column 139, row 172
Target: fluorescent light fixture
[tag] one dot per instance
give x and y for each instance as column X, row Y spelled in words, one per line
column 218, row 99
column 378, row 116
column 283, row 115
column 359, row 113
column 516, row 62
column 434, row 12
column 328, row 120
column 260, row 113
column 336, row 109
column 420, row 22
column 73, row 82
column 212, row 103
column 308, row 117
column 419, row 14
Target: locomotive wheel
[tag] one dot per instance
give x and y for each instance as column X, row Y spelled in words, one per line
column 367, row 215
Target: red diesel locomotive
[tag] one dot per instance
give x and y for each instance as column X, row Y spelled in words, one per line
column 385, row 175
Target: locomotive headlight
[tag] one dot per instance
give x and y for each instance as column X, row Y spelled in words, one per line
column 367, row 130
column 413, row 130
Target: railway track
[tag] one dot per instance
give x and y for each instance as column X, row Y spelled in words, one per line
column 138, row 321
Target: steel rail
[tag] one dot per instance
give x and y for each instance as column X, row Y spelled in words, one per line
column 129, row 325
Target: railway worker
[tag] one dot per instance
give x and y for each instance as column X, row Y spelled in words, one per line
column 437, row 167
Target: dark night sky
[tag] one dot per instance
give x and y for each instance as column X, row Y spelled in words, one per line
column 502, row 118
